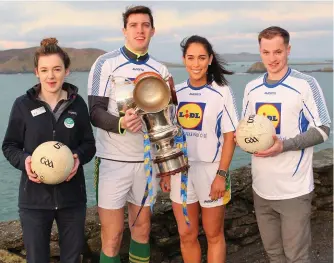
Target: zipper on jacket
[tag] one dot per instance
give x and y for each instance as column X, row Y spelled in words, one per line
column 54, row 124
column 25, row 185
column 55, row 196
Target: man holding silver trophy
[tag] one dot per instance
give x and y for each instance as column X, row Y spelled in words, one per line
column 127, row 88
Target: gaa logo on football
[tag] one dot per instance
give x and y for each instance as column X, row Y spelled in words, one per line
column 251, row 140
column 46, row 162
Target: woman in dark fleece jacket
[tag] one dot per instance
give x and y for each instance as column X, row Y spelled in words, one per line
column 41, row 115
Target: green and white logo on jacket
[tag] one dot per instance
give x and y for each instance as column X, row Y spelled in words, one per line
column 69, row 123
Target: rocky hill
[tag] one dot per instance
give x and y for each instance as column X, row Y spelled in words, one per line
column 258, row 67
column 21, row 60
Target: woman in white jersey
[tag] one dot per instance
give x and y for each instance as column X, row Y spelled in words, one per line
column 208, row 115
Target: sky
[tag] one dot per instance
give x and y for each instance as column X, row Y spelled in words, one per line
column 231, row 26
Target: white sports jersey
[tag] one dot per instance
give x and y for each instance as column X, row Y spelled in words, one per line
column 293, row 104
column 205, row 113
column 128, row 146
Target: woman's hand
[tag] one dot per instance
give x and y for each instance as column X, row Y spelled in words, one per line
column 75, row 167
column 165, row 184
column 218, row 188
column 32, row 176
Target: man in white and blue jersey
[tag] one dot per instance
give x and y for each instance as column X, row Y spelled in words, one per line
column 282, row 175
column 119, row 140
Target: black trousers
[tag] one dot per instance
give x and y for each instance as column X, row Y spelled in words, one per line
column 37, row 224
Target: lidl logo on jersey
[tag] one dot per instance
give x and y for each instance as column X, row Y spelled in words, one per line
column 190, row 115
column 272, row 111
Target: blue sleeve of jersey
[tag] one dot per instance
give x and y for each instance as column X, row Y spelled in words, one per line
column 99, row 80
column 230, row 118
column 314, row 104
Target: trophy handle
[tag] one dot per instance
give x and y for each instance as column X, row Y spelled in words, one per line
column 139, row 111
column 128, row 81
column 170, row 81
column 123, row 90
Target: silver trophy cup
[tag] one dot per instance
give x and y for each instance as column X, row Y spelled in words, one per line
column 154, row 100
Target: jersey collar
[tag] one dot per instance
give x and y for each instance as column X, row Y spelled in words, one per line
column 278, row 82
column 130, row 55
column 196, row 88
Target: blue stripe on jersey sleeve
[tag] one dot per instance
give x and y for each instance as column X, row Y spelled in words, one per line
column 287, row 86
column 245, row 110
column 309, row 113
column 218, row 133
column 182, row 89
column 105, row 89
column 151, row 67
column 255, row 88
column 121, row 65
column 229, row 117
column 300, row 160
column 210, row 88
column 97, row 71
column 220, row 113
column 303, row 122
column 218, row 117
column 320, row 103
column 234, row 103
column 303, row 125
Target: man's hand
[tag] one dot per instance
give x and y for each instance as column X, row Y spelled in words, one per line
column 274, row 150
column 218, row 187
column 75, row 167
column 31, row 175
column 165, row 184
column 131, row 121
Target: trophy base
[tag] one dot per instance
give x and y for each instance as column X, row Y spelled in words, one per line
column 171, row 165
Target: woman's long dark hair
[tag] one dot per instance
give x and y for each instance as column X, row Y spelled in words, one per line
column 216, row 70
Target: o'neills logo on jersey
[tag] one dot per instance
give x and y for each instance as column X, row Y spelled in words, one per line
column 272, row 111
column 190, row 115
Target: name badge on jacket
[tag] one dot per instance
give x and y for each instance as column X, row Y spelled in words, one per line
column 38, row 111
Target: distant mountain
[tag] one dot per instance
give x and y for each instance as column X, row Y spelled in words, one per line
column 258, row 67
column 22, row 60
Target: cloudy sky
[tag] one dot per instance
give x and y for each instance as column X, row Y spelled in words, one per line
column 232, row 27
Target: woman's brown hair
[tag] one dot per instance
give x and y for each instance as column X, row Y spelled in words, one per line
column 49, row 46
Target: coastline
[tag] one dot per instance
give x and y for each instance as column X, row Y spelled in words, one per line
column 176, row 65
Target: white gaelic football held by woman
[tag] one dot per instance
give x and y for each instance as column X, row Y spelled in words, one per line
column 52, row 110
column 207, row 113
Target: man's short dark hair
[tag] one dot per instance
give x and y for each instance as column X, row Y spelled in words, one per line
column 273, row 31
column 139, row 9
